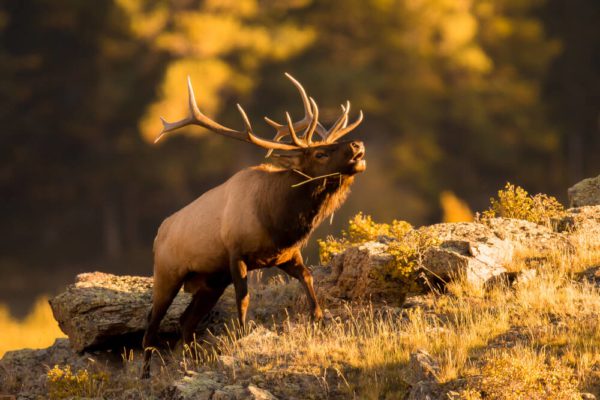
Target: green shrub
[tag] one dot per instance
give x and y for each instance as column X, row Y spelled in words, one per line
column 514, row 202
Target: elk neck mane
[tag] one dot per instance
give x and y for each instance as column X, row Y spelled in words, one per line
column 290, row 214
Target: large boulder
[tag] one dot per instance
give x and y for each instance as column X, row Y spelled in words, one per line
column 105, row 310
column 357, row 274
column 585, row 193
column 471, row 250
column 528, row 236
column 101, row 309
column 467, row 249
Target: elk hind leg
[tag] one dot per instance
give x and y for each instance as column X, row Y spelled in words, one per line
column 202, row 302
column 163, row 293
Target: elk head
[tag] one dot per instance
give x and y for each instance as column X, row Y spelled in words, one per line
column 301, row 153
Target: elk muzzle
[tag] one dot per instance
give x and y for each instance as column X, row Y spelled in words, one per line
column 358, row 162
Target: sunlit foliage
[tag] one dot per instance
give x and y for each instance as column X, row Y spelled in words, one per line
column 405, row 244
column 64, row 383
column 514, row 202
column 202, row 41
column 454, row 209
column 361, row 228
column 39, row 329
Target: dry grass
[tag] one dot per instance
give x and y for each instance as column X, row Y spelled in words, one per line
column 481, row 337
column 38, row 330
column 536, row 339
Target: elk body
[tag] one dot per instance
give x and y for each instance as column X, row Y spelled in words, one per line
column 259, row 218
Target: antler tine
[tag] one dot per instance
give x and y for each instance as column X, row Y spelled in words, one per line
column 313, row 123
column 195, row 117
column 283, row 130
column 267, row 144
column 305, row 101
column 297, row 141
column 341, row 121
column 337, row 135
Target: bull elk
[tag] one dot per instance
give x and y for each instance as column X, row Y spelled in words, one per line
column 259, row 218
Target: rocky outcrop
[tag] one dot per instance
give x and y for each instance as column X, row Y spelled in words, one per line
column 585, row 193
column 102, row 310
column 528, row 236
column 581, row 220
column 469, row 250
column 25, row 370
column 357, row 274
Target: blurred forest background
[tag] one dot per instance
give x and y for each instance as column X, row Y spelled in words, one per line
column 459, row 97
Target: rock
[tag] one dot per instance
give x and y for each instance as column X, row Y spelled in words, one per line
column 467, row 249
column 197, row 387
column 585, row 193
column 528, row 236
column 356, row 275
column 260, row 394
column 104, row 309
column 24, row 371
column 581, row 220
column 422, row 367
column 422, row 377
column 211, row 386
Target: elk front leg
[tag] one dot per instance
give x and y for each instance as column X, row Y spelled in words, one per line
column 239, row 276
column 296, row 268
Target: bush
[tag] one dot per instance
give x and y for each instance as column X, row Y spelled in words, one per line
column 405, row 244
column 514, row 202
column 361, row 229
column 408, row 254
column 64, row 383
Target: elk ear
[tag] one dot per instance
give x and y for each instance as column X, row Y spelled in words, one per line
column 288, row 160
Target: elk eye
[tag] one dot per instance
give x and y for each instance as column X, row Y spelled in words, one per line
column 321, row 155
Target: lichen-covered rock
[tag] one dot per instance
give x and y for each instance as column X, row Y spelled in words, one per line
column 585, row 193
column 584, row 220
column 467, row 249
column 357, row 274
column 100, row 309
column 210, row 385
column 525, row 235
column 24, row 371
column 423, row 372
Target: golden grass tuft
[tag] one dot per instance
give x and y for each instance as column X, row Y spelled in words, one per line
column 37, row 330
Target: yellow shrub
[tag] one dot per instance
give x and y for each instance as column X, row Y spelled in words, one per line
column 64, row 383
column 408, row 253
column 405, row 244
column 515, row 202
column 361, row 229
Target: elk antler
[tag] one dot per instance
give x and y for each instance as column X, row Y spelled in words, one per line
column 310, row 123
column 338, row 129
column 196, row 117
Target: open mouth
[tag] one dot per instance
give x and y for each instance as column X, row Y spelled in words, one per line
column 358, row 156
